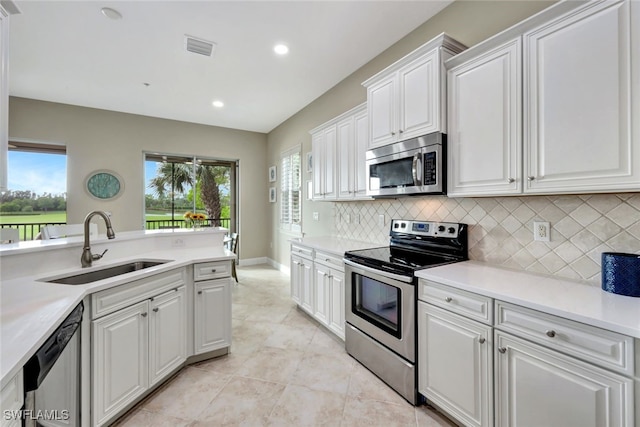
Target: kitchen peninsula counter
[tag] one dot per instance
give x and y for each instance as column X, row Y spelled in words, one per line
column 31, row 309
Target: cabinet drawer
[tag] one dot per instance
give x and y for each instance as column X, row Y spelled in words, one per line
column 302, row 251
column 12, row 398
column 601, row 347
column 330, row 260
column 211, row 270
column 113, row 299
column 468, row 304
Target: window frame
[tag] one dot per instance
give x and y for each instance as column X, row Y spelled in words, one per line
column 291, row 191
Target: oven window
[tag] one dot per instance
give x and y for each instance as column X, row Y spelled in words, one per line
column 378, row 303
column 393, row 174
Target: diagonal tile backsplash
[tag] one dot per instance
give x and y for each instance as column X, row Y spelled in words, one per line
column 501, row 228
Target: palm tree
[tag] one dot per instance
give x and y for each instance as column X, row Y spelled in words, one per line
column 176, row 177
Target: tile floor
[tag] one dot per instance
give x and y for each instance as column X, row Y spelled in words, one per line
column 283, row 370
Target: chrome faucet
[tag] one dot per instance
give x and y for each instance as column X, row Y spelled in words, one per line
column 87, row 258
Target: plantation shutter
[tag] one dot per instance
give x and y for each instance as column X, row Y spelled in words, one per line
column 290, row 187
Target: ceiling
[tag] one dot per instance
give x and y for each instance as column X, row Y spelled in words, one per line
column 69, row 52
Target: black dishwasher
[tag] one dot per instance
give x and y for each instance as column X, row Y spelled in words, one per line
column 52, row 377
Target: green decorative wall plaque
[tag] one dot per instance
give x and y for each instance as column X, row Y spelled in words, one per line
column 104, row 184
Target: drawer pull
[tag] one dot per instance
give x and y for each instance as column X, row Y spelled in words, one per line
column 155, row 310
column 551, row 333
column 199, row 292
column 143, row 314
column 448, row 299
column 327, row 260
column 213, row 270
column 502, row 350
column 482, row 340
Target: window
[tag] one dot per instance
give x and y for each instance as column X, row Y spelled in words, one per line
column 176, row 187
column 290, row 214
column 37, row 187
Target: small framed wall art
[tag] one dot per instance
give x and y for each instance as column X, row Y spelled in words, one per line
column 309, row 162
column 272, row 194
column 273, row 175
column 104, row 184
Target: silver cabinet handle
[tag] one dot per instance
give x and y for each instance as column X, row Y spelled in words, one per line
column 143, row 314
column 448, row 299
column 511, row 180
column 551, row 333
column 401, row 131
column 199, row 292
column 393, row 133
column 213, row 270
column 531, row 178
column 155, row 310
column 502, row 350
column 481, row 340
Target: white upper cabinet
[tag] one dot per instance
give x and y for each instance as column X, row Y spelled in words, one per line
column 339, row 147
column 579, row 101
column 407, row 99
column 485, row 123
column 547, row 106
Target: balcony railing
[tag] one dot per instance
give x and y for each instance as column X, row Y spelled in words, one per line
column 157, row 224
column 30, row 231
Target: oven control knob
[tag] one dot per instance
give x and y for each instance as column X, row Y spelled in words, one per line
column 451, row 230
column 441, row 228
column 396, row 225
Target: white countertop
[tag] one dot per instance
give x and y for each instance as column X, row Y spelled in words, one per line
column 334, row 245
column 569, row 299
column 30, row 310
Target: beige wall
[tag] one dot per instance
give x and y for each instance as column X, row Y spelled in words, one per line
column 469, row 22
column 99, row 139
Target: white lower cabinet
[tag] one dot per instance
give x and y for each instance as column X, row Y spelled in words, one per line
column 135, row 347
column 536, row 386
column 212, row 322
column 12, row 399
column 317, row 286
column 523, row 368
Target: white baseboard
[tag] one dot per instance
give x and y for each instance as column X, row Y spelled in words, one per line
column 278, row 266
column 253, row 261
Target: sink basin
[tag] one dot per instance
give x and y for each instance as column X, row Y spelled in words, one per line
column 105, row 273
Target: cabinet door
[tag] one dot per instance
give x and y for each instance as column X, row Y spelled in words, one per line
column 296, row 275
column 485, row 123
column 212, row 315
column 381, row 103
column 579, row 109
column 346, row 159
column 322, row 276
column 336, row 303
column 167, row 334
column 361, row 140
column 330, row 147
column 120, row 371
column 455, row 366
column 4, row 96
column 419, row 90
column 317, row 150
column 540, row 387
column 306, row 287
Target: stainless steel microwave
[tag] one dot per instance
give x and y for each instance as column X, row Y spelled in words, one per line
column 414, row 166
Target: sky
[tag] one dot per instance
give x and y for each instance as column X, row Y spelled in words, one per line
column 40, row 173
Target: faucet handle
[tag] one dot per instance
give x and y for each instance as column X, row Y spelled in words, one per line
column 98, row 256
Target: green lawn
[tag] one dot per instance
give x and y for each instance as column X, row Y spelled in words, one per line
column 35, row 218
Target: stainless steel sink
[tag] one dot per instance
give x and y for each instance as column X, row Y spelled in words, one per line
column 105, row 273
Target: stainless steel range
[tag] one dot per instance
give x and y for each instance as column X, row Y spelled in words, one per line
column 380, row 297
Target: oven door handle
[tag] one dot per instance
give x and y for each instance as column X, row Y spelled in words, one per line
column 379, row 272
column 416, row 169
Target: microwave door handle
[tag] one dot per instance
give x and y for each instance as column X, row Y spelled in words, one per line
column 416, row 169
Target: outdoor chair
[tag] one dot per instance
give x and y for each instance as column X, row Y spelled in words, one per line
column 68, row 230
column 9, row 235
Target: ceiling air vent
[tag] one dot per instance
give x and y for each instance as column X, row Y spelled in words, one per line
column 199, row 46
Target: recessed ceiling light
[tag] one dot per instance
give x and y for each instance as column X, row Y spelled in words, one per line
column 218, row 104
column 281, row 49
column 111, row 13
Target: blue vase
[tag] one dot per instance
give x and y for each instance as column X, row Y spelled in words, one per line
column 621, row 273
